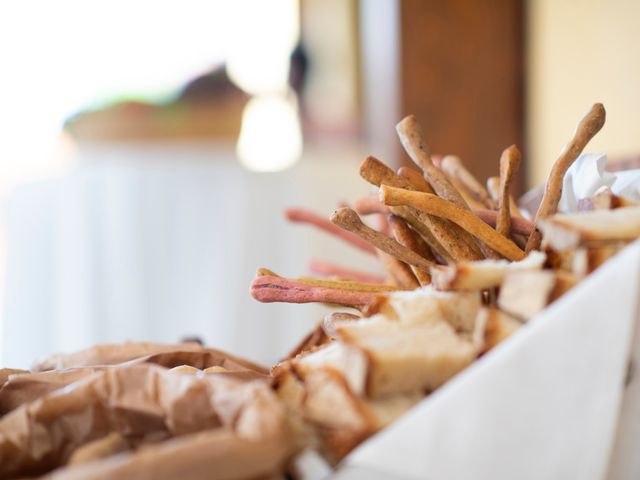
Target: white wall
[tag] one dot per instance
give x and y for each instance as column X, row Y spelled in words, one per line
column 581, row 52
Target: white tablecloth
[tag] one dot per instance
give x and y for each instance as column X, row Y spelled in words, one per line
column 156, row 243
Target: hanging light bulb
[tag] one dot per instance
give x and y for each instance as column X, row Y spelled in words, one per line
column 270, row 138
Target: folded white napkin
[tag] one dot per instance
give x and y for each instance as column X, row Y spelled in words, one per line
column 587, row 175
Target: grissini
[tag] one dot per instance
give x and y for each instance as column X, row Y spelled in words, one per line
column 349, row 220
column 509, row 162
column 590, row 124
column 467, row 220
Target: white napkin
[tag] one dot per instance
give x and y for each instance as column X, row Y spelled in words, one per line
column 544, row 404
column 587, row 175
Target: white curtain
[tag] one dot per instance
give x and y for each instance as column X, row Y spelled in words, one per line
column 157, row 243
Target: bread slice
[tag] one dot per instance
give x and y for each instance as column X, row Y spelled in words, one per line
column 343, row 419
column 414, row 359
column 427, row 305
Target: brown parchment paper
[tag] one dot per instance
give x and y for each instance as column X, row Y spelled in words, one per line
column 19, row 386
column 112, row 354
column 212, row 455
column 142, row 403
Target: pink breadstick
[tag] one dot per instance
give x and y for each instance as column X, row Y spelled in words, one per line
column 328, row 269
column 302, row 215
column 519, row 225
column 369, row 205
column 269, row 289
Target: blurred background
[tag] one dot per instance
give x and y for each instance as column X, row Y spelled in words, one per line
column 148, row 148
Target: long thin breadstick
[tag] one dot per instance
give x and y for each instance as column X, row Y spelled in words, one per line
column 509, row 162
column 412, row 139
column 590, row 124
column 453, row 166
column 519, row 226
column 350, row 221
column 328, row 269
column 440, row 235
column 465, row 219
column 302, row 215
column 410, row 239
column 269, row 289
column 351, row 285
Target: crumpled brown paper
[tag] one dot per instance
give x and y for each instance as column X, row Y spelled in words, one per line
column 211, row 455
column 142, row 403
column 18, row 386
column 112, row 354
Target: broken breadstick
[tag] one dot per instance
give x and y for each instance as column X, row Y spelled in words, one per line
column 302, row 215
column 519, row 226
column 509, row 162
column 456, row 169
column 467, row 220
column 350, row 221
column 269, row 289
column 328, row 269
column 590, row 124
column 410, row 239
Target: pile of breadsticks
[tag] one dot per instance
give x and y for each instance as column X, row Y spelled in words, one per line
column 464, row 270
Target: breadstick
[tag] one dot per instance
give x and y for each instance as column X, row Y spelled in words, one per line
column 269, row 289
column 412, row 140
column 410, row 239
column 590, row 124
column 465, row 219
column 438, row 233
column 509, row 162
column 328, row 269
column 350, row 221
column 338, row 284
column 302, row 215
column 412, row 217
column 456, row 169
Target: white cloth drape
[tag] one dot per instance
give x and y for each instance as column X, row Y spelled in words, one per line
column 156, row 243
